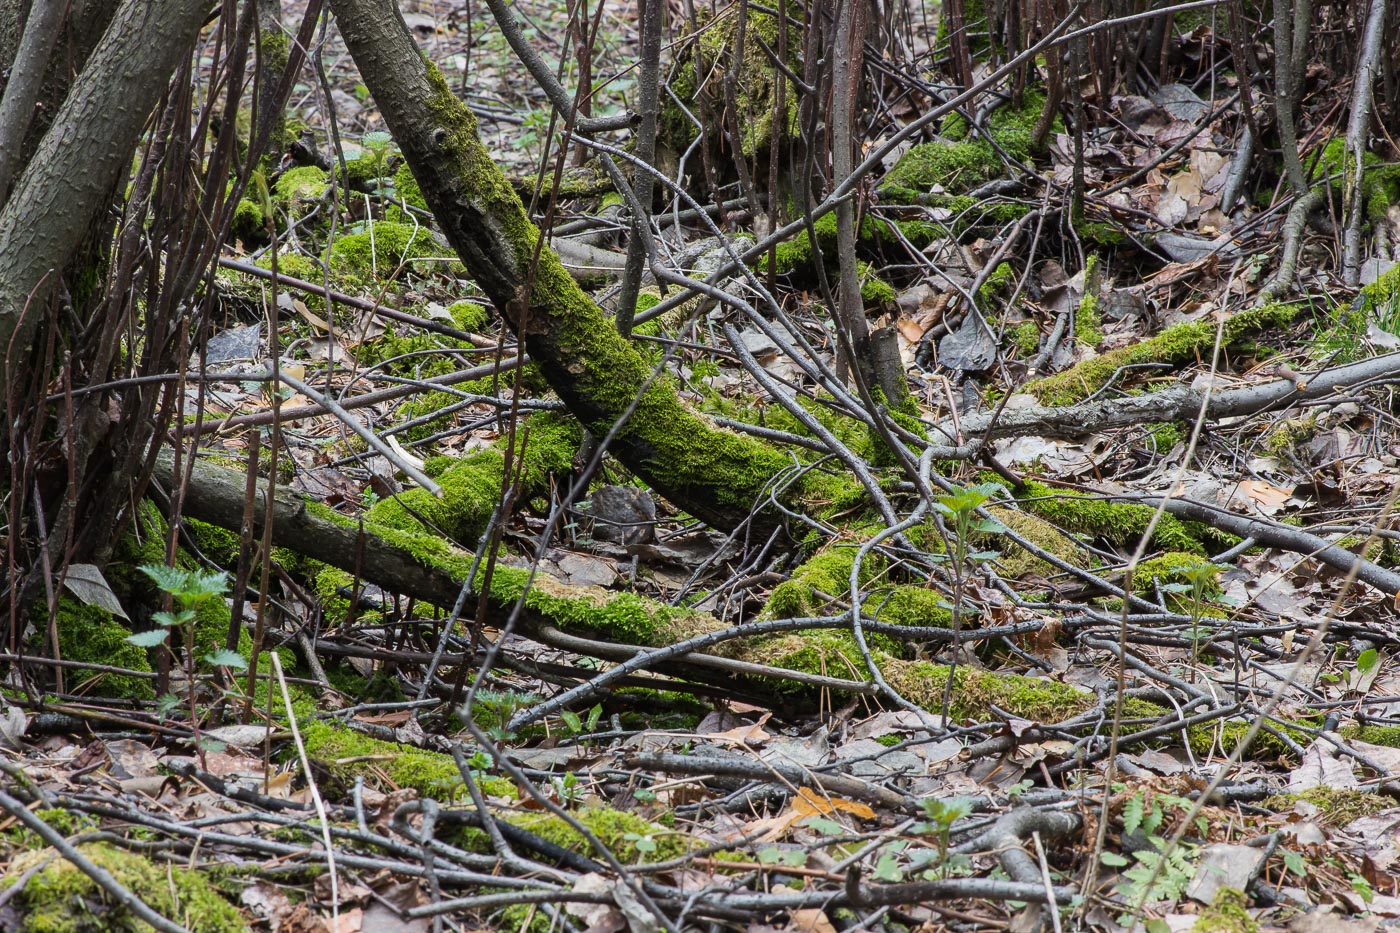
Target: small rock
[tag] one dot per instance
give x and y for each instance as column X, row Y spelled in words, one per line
column 624, row 514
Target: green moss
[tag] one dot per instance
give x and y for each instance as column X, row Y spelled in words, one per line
column 349, row 754
column 1287, row 434
column 962, row 163
column 1337, row 807
column 217, row 544
column 1227, row 913
column 1167, row 434
column 249, row 221
column 303, row 183
column 1121, row 523
column 623, row 617
column 472, row 487
column 909, row 605
column 383, row 250
column 1182, row 343
column 1015, row 560
column 1173, row 568
column 1000, row 282
column 1088, row 321
column 873, row 289
column 91, row 634
column 62, row 899
column 407, row 187
column 616, row 829
column 708, row 53
column 1099, row 234
column 975, row 692
column 1025, row 337
column 470, row 316
column 1373, row 735
column 825, row 576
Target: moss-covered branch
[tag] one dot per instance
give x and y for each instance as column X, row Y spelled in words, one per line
column 713, row 474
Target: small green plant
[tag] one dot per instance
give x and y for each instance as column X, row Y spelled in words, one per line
column 959, row 510
column 498, row 708
column 1198, row 585
column 942, row 814
column 569, row 790
column 189, row 590
column 1167, row 874
column 578, row 726
column 645, row 845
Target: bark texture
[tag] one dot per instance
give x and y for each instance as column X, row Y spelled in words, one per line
column 715, row 475
column 66, row 185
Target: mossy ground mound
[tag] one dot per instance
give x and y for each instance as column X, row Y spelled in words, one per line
column 62, row 899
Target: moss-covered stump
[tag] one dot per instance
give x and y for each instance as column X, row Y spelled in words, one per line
column 62, row 899
column 708, row 52
column 1184, row 343
column 93, row 635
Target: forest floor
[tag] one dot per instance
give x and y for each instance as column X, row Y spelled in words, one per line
column 1177, row 714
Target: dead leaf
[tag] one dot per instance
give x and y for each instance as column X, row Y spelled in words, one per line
column 811, row 803
column 88, row 584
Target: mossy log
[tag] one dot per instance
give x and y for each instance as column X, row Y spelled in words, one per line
column 429, row 568
column 716, row 475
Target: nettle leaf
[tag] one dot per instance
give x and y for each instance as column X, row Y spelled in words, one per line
column 155, row 636
column 226, row 658
column 169, row 579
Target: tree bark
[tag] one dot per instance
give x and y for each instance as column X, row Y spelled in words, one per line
column 67, row 184
column 713, row 474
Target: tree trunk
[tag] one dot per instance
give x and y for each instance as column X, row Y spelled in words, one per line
column 66, row 186
column 713, row 474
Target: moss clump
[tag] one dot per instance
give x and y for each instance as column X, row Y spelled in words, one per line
column 959, row 163
column 249, row 221
column 999, row 283
column 62, row 899
column 1182, row 343
column 470, row 316
column 975, row 692
column 822, row 577
column 1025, row 337
column 1288, row 433
column 1166, row 434
column 407, row 188
column 1380, row 182
column 1016, row 561
column 623, row 617
column 616, row 829
column 1227, row 913
column 383, row 250
column 1177, row 568
column 1336, row 807
column 910, row 605
column 348, row 754
column 90, row 634
column 303, row 183
column 1120, row 523
column 709, row 51
column 1088, row 321
column 873, row 289
column 472, row 487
